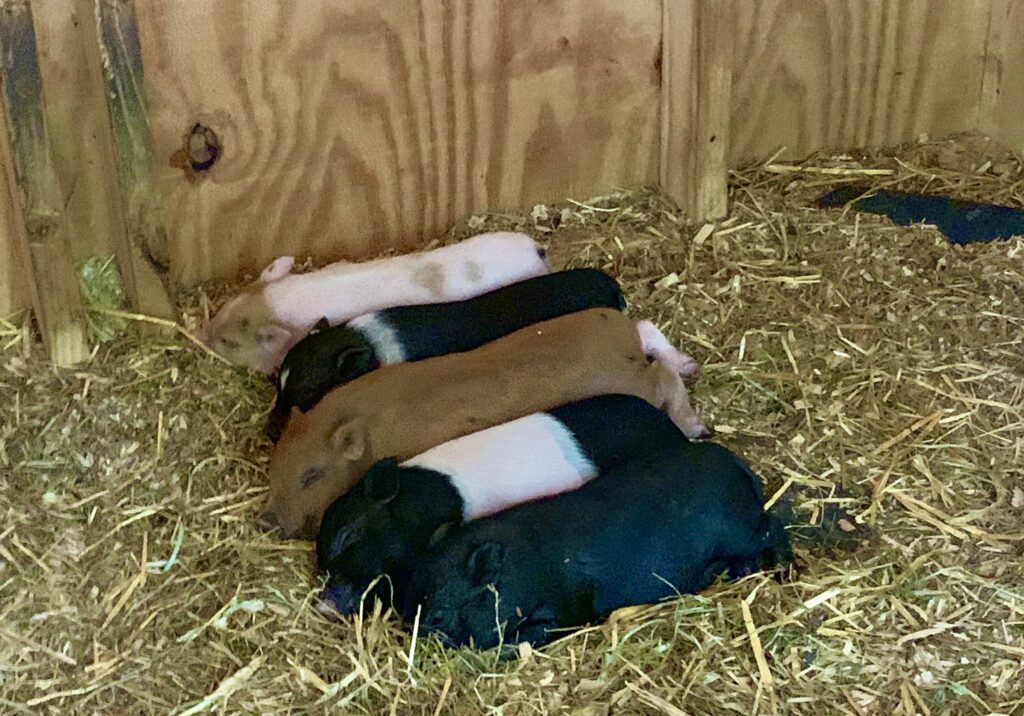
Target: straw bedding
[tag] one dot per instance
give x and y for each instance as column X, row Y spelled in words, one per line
column 873, row 374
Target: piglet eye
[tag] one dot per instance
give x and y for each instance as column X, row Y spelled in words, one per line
column 310, row 476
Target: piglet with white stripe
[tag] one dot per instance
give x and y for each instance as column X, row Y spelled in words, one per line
column 256, row 328
column 652, row 528
column 330, row 357
column 405, row 409
column 386, row 521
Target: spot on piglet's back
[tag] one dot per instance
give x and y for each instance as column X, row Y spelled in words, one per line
column 474, row 273
column 431, row 277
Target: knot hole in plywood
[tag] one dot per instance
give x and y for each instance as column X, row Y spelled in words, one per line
column 200, row 150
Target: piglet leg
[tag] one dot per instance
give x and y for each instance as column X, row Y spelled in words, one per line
column 657, row 347
column 673, row 397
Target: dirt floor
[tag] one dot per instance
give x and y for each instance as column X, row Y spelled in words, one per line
column 873, row 374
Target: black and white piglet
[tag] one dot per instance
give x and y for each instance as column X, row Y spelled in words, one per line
column 332, row 356
column 387, row 520
column 666, row 523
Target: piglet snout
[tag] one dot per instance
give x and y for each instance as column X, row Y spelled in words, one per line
column 267, row 519
column 272, row 518
column 441, row 623
column 342, row 597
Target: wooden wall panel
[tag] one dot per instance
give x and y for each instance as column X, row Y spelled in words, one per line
column 853, row 73
column 1003, row 98
column 348, row 126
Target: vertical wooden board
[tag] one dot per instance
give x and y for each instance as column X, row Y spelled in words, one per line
column 77, row 129
column 696, row 104
column 1003, row 98
column 351, row 126
column 31, row 154
column 121, row 57
column 841, row 73
column 13, row 293
column 80, row 137
column 47, row 273
column 38, row 229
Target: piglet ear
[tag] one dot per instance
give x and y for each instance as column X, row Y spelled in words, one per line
column 273, row 339
column 348, row 439
column 439, row 534
column 353, row 362
column 485, row 562
column 382, row 481
column 279, row 268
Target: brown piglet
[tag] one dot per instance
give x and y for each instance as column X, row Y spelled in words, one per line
column 404, row 409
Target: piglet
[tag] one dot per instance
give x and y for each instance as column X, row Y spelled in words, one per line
column 331, row 357
column 663, row 524
column 404, row 409
column 256, row 328
column 385, row 523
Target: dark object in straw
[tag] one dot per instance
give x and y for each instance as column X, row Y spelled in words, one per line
column 962, row 222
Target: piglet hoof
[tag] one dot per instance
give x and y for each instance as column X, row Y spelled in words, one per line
column 696, row 430
column 689, row 369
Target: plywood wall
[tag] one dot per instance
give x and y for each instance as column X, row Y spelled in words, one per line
column 352, row 125
column 854, row 73
column 1003, row 95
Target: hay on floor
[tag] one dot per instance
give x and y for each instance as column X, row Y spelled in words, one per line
column 873, row 374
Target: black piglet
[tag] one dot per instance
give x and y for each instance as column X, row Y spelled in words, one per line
column 663, row 524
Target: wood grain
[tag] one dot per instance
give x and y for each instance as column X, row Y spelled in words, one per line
column 35, row 200
column 14, row 290
column 80, row 135
column 76, row 130
column 853, row 73
column 117, row 34
column 349, row 126
column 44, row 274
column 696, row 104
column 1002, row 111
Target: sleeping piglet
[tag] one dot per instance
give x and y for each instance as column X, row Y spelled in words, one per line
column 334, row 356
column 663, row 524
column 404, row 409
column 387, row 520
column 256, row 328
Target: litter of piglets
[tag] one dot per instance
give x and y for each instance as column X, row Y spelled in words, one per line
column 429, row 432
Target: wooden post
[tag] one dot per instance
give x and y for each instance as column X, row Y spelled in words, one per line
column 83, row 146
column 696, row 100
column 37, row 218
